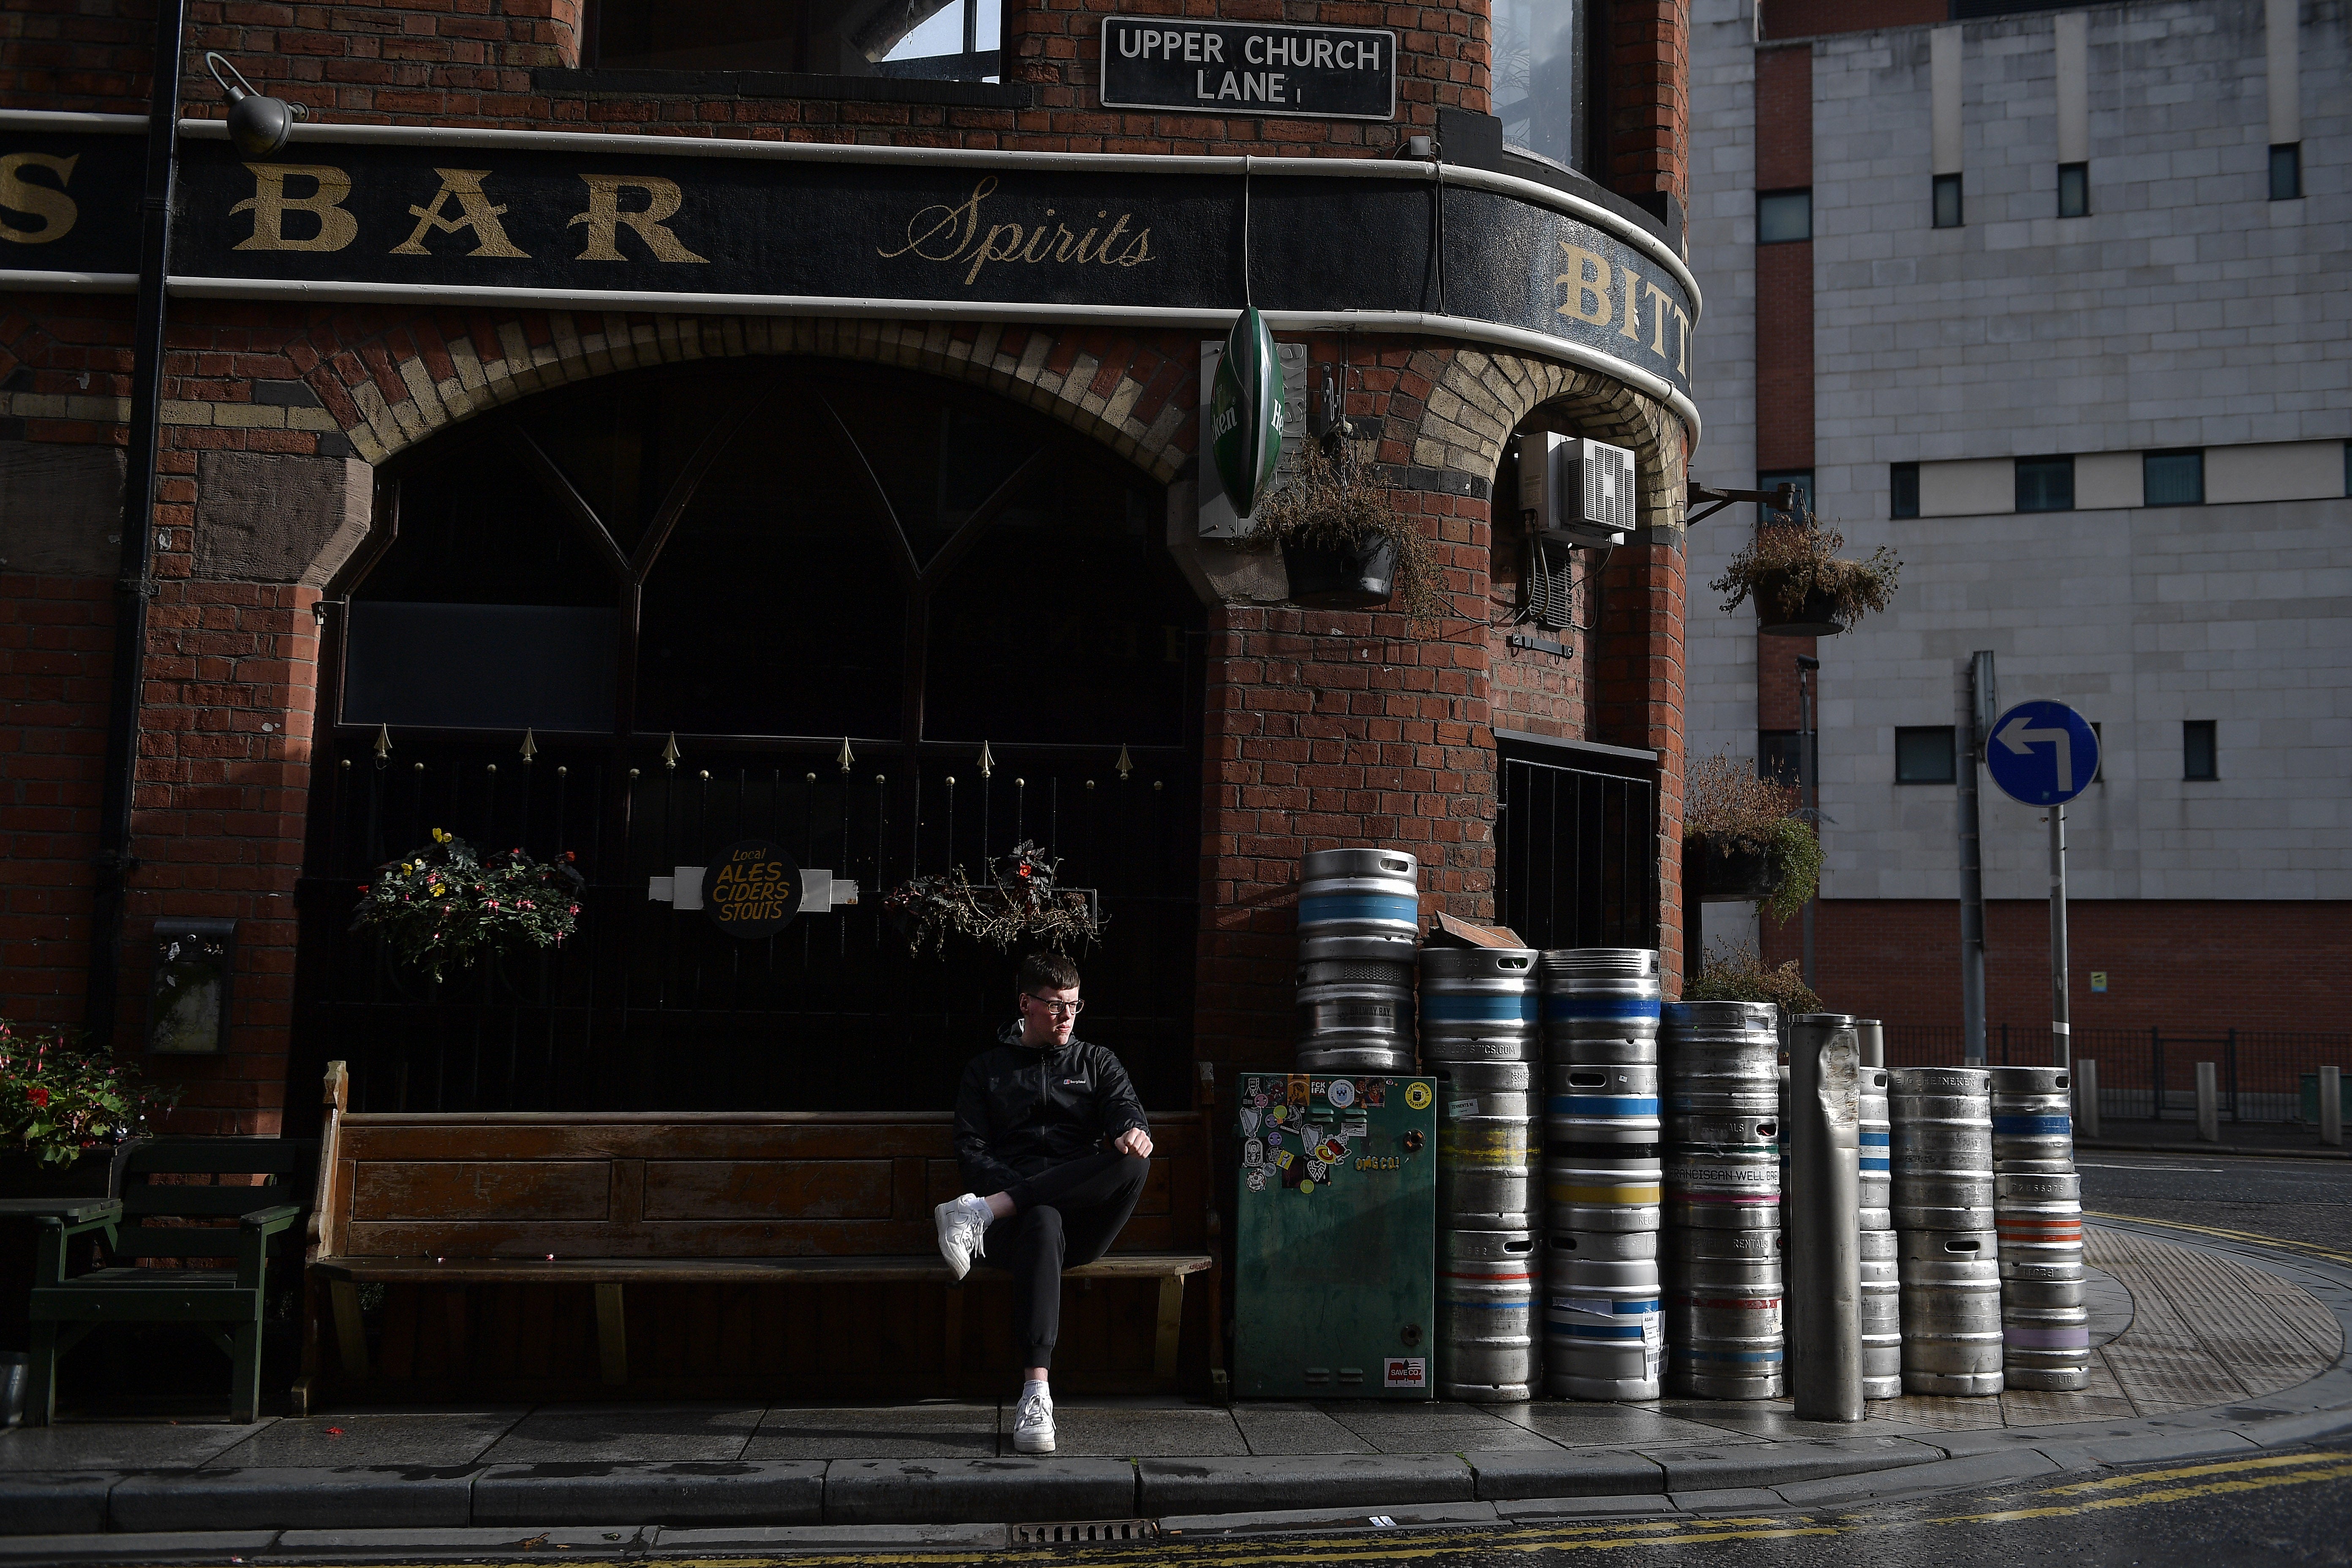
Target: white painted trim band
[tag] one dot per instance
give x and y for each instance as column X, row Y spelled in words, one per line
column 59, row 120
column 71, row 282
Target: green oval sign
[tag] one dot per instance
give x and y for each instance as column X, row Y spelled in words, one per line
column 1246, row 412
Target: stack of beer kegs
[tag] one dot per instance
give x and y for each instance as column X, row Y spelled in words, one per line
column 1479, row 1038
column 1882, row 1313
column 1603, row 1328
column 2037, row 1210
column 1359, row 925
column 1947, row 1258
column 1722, row 1269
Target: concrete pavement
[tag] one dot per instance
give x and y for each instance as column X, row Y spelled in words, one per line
column 2209, row 1347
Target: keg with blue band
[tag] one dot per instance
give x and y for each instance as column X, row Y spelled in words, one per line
column 1358, row 907
column 1566, row 1007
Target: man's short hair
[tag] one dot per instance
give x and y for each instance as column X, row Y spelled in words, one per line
column 1047, row 972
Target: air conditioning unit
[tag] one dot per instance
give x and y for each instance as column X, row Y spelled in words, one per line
column 1579, row 490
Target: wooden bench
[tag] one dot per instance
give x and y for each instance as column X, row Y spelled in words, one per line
column 609, row 1200
column 199, row 1201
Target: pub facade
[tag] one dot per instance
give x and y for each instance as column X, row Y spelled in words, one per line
column 622, row 434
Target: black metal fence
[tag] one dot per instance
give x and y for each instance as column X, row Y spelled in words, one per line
column 650, row 1007
column 1576, row 855
column 2262, row 1075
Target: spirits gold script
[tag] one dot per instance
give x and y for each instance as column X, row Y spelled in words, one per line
column 951, row 234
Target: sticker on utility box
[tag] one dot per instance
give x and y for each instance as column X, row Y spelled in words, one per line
column 1405, row 1372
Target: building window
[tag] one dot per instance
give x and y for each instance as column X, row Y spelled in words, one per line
column 2286, row 172
column 1550, row 75
column 1783, row 217
column 1925, row 755
column 1902, row 490
column 2073, row 190
column 787, row 35
column 1947, row 201
column 1801, row 477
column 1776, row 756
column 2173, row 479
column 2200, row 751
column 2045, row 484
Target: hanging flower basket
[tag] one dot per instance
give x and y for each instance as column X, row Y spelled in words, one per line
column 444, row 907
column 1022, row 903
column 1721, row 868
column 1815, row 614
column 1357, row 576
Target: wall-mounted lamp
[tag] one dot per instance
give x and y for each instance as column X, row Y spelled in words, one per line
column 258, row 124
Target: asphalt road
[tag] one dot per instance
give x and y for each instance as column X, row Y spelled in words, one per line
column 2277, row 1508
column 2302, row 1201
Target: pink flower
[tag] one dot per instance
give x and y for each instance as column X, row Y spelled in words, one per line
column 575, row 908
column 38, row 1095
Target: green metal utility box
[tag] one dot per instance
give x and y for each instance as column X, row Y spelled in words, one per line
column 1335, row 1278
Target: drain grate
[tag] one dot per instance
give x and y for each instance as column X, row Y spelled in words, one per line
column 1096, row 1532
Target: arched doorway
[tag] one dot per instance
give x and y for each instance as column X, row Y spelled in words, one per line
column 786, row 598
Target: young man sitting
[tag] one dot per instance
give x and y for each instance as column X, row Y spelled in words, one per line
column 1054, row 1146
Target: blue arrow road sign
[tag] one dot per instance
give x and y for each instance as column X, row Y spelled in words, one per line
column 2043, row 754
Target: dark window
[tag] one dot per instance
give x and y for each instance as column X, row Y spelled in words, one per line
column 1947, row 201
column 2286, row 172
column 1776, row 756
column 1902, row 490
column 2173, row 479
column 2045, row 484
column 2073, row 190
column 1550, row 75
column 752, row 35
column 1925, row 755
column 1783, row 216
column 2200, row 751
column 1801, row 477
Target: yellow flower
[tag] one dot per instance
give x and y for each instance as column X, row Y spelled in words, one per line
column 437, row 889
column 405, row 867
column 439, row 836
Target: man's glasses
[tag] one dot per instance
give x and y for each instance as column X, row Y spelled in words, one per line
column 1059, row 1009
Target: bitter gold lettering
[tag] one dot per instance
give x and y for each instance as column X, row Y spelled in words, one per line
column 270, row 204
column 1587, row 275
column 605, row 217
column 50, row 204
column 1658, row 322
column 474, row 212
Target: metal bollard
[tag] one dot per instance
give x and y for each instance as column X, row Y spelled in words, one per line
column 2086, row 1097
column 1821, row 1218
column 2331, row 1107
column 2209, row 1105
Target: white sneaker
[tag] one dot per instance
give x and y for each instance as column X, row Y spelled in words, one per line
column 963, row 1223
column 1033, row 1425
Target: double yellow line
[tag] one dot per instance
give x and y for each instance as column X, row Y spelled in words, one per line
column 2149, row 1488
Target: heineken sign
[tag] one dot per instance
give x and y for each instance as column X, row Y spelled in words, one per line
column 1248, row 68
column 1246, row 412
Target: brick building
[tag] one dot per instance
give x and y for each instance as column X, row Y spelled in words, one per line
column 621, row 435
column 2050, row 303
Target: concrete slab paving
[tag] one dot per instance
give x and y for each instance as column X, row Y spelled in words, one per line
column 1776, row 1419
column 408, row 1437
column 1697, row 1468
column 118, row 1445
column 1579, row 1425
column 49, row 1503
column 1294, row 1429
column 898, row 1432
column 1085, row 1431
column 1565, row 1472
column 1911, row 1480
column 582, row 1434
column 1435, row 1428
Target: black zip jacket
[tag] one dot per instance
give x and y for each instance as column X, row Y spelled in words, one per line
column 1024, row 1108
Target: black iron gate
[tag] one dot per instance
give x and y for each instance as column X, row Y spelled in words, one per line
column 651, row 1007
column 1576, row 848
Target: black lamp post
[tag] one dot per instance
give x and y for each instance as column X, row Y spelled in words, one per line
column 259, row 125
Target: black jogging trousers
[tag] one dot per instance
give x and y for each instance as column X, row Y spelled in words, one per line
column 1064, row 1216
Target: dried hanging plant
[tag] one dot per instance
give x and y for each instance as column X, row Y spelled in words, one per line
column 1742, row 976
column 1792, row 557
column 1329, row 505
column 1020, row 902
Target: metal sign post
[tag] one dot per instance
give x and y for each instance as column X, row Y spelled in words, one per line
column 1975, row 709
column 2045, row 753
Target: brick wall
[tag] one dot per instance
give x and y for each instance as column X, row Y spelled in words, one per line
column 1649, row 99
column 1811, row 18
column 2189, row 965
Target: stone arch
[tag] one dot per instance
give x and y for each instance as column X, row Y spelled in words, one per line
column 1480, row 398
column 394, row 388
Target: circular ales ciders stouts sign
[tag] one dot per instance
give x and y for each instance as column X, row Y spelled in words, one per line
column 751, row 889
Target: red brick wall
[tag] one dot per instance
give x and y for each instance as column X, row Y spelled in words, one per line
column 2191, row 966
column 55, row 648
column 1649, row 98
column 1638, row 681
column 1777, row 699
